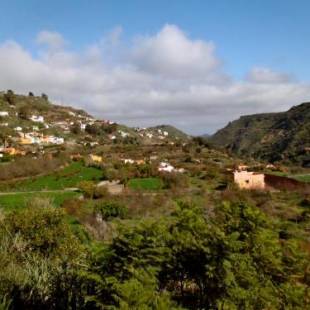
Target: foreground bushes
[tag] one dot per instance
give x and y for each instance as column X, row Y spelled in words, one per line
column 230, row 258
column 39, row 259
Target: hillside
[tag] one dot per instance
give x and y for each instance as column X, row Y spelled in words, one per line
column 34, row 120
column 271, row 137
column 172, row 131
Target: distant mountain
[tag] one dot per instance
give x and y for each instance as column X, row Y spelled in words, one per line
column 271, row 136
column 171, row 130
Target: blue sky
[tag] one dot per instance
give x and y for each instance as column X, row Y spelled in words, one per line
column 270, row 35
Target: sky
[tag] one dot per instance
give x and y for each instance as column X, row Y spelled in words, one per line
column 193, row 64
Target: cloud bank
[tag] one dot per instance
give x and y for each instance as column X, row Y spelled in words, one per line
column 163, row 78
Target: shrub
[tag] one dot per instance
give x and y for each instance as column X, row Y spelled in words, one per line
column 88, row 188
column 111, row 209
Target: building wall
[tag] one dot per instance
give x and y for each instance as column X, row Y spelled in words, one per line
column 249, row 180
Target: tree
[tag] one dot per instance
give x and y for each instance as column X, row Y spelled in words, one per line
column 111, row 209
column 232, row 260
column 76, row 128
column 88, row 188
column 24, row 112
column 10, row 97
column 44, row 96
column 92, row 129
column 40, row 259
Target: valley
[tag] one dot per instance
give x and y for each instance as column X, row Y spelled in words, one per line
column 105, row 211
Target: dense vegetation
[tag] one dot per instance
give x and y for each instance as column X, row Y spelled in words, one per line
column 271, row 137
column 228, row 257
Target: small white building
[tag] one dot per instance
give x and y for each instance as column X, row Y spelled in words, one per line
column 37, row 118
column 123, row 133
column 18, row 128
column 56, row 140
column 128, row 161
column 4, row 113
column 249, row 180
column 165, row 167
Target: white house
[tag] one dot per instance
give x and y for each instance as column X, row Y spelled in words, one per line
column 18, row 128
column 56, row 140
column 165, row 167
column 123, row 133
column 4, row 113
column 128, row 161
column 37, row 118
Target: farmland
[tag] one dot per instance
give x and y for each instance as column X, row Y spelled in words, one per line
column 69, row 177
column 145, row 184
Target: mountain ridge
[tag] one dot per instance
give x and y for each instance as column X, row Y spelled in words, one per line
column 272, row 137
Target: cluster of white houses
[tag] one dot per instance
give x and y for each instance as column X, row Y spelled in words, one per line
column 35, row 138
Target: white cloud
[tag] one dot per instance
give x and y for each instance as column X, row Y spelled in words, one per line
column 171, row 53
column 51, row 39
column 266, row 75
column 164, row 78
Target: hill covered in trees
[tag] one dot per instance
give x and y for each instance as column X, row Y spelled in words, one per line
column 270, row 137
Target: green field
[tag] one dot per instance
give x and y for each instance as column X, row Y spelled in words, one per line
column 298, row 177
column 302, row 177
column 70, row 176
column 20, row 200
column 145, row 184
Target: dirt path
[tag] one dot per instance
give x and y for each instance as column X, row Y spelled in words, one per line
column 66, row 190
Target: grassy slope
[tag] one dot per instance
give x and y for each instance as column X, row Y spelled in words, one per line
column 68, row 177
column 145, row 184
column 20, row 200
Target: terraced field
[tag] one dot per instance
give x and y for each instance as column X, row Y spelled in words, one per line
column 69, row 177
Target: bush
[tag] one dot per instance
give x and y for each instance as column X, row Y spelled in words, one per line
column 111, row 209
column 88, row 188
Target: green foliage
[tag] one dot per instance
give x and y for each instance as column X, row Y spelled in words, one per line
column 111, row 209
column 68, row 177
column 39, row 260
column 24, row 112
column 145, row 183
column 233, row 260
column 141, row 292
column 88, row 188
column 20, row 200
column 43, row 229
